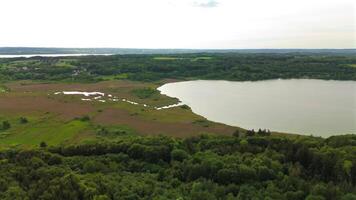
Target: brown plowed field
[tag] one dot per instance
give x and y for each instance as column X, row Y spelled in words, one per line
column 30, row 104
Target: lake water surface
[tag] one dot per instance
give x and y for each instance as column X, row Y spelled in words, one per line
column 303, row 106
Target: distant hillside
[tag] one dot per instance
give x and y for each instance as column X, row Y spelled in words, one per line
column 35, row 50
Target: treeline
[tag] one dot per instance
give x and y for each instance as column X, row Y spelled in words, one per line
column 204, row 167
column 226, row 66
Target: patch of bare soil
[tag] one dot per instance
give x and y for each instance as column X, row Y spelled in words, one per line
column 50, row 87
column 33, row 104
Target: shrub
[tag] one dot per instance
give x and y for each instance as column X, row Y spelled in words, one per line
column 6, row 125
column 84, row 118
column 186, row 107
column 43, row 145
column 236, row 133
column 23, row 120
column 144, row 93
column 179, row 155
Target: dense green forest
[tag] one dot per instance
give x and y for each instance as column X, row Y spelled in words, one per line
column 226, row 66
column 205, row 167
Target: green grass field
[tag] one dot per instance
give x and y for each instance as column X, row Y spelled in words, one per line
column 114, row 77
column 41, row 128
column 166, row 58
column 3, row 89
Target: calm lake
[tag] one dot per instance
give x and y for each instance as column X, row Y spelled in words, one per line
column 304, row 106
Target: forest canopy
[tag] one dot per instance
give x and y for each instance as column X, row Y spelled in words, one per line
column 226, row 66
column 202, row 167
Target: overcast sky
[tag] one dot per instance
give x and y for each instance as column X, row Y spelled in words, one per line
column 179, row 23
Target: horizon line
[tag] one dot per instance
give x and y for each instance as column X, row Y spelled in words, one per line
column 291, row 48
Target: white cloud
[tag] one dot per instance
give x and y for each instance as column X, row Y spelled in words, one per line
column 178, row 23
column 206, row 3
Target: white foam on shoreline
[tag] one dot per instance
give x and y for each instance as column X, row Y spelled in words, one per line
column 170, row 106
column 131, row 102
column 99, row 95
column 87, row 94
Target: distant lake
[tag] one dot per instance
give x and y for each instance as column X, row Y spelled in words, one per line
column 303, row 106
column 47, row 55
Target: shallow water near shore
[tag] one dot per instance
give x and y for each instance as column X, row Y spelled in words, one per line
column 303, row 106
